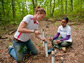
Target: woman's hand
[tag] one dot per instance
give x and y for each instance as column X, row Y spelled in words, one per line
column 39, row 37
column 43, row 39
column 37, row 32
column 50, row 39
column 58, row 41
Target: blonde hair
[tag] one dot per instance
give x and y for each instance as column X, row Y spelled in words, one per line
column 39, row 9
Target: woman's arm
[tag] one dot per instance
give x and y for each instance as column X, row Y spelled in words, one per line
column 22, row 28
column 39, row 37
column 66, row 38
column 56, row 36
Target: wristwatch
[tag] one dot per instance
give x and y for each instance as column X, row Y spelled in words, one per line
column 34, row 30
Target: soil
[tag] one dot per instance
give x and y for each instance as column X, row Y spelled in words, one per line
column 74, row 54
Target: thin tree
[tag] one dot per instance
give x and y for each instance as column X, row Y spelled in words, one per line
column 53, row 8
column 62, row 6
column 26, row 6
column 9, row 11
column 81, row 4
column 22, row 8
column 66, row 6
column 19, row 8
column 35, row 2
column 71, row 5
column 33, row 6
column 13, row 8
column 3, row 7
column 50, row 7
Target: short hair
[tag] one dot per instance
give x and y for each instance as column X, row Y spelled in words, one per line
column 65, row 18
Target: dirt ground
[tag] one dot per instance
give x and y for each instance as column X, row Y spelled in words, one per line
column 74, row 54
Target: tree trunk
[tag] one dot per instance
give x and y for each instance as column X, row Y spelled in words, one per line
column 50, row 7
column 71, row 5
column 58, row 3
column 35, row 2
column 66, row 7
column 9, row 11
column 19, row 10
column 26, row 7
column 13, row 8
column 53, row 8
column 33, row 6
column 22, row 8
column 3, row 7
column 62, row 7
column 81, row 4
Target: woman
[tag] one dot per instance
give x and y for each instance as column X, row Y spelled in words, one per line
column 64, row 31
column 28, row 25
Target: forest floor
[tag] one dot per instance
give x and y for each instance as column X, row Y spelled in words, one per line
column 74, row 54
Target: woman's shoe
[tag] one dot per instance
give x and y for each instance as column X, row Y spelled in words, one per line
column 64, row 49
column 50, row 50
